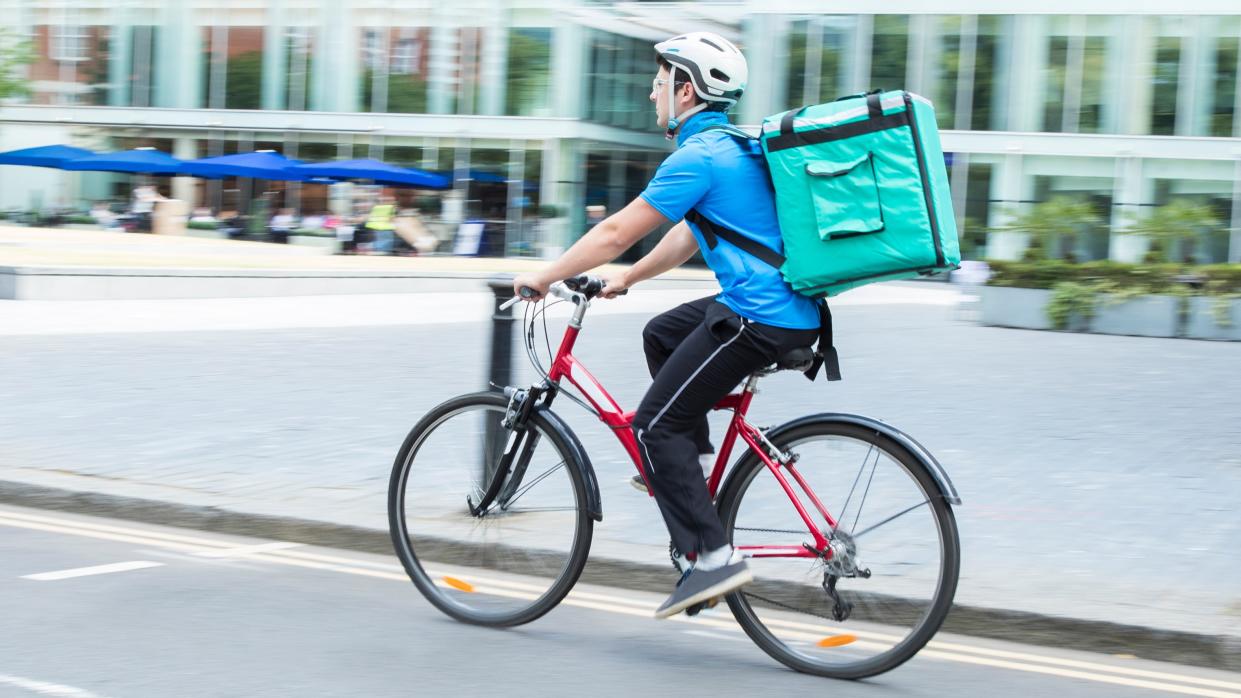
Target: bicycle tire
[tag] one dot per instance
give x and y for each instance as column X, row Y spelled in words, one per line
column 405, row 472
column 750, row 469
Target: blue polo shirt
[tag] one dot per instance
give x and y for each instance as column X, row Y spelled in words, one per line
column 726, row 180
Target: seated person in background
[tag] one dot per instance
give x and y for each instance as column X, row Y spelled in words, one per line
column 103, row 215
column 281, row 225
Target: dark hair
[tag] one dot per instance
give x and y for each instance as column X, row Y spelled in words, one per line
column 663, row 63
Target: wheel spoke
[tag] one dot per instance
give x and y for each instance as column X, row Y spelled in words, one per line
column 520, row 560
column 895, row 607
column 536, row 481
column 890, row 519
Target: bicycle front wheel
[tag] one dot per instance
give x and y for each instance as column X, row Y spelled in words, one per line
column 888, row 582
column 506, row 563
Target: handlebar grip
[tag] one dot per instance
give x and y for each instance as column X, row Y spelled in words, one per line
column 527, row 292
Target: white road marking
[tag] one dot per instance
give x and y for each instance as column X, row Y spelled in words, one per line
column 46, row 688
column 248, row 550
column 278, row 552
column 714, row 636
column 89, row 571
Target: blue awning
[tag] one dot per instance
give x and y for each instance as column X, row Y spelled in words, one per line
column 44, row 156
column 264, row 164
column 137, row 161
column 376, row 171
column 487, row 177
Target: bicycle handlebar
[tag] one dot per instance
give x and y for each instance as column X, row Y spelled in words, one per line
column 584, row 286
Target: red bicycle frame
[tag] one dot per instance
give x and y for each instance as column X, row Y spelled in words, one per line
column 566, row 367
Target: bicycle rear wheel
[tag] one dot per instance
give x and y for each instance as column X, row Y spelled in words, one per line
column 503, row 565
column 895, row 558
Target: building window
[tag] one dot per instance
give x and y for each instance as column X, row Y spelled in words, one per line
column 1164, row 75
column 1090, row 101
column 619, row 82
column 528, row 79
column 1223, row 112
column 889, row 52
column 816, row 59
column 1057, row 68
column 393, row 78
column 70, row 43
column 948, row 70
column 986, row 60
column 406, row 56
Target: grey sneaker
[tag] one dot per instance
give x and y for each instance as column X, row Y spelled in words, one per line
column 699, row 586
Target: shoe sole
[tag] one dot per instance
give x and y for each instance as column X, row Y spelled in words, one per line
column 639, row 485
column 727, row 586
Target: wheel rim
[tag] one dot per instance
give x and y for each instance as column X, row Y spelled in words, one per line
column 892, row 527
column 500, row 567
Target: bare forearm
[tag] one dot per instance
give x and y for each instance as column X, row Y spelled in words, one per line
column 599, row 246
column 672, row 251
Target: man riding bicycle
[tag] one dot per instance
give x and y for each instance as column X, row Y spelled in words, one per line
column 698, row 352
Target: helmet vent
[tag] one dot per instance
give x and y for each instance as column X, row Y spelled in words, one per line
column 711, row 44
column 719, row 74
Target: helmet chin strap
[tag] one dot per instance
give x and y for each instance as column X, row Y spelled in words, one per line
column 673, row 120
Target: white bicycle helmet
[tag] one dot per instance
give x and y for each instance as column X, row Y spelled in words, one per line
column 715, row 67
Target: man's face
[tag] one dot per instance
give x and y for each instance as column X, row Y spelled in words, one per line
column 683, row 94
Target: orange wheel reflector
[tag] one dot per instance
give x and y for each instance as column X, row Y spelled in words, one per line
column 458, row 584
column 837, row 640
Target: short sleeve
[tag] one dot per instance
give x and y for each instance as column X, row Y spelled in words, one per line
column 681, row 181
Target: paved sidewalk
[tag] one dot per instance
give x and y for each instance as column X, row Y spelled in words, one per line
column 1099, row 474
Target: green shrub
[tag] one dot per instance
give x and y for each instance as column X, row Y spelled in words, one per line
column 1112, row 276
column 1069, row 300
column 202, row 225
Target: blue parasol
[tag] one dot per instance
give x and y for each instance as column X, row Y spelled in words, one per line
column 264, row 164
column 376, row 171
column 44, row 156
column 137, row 161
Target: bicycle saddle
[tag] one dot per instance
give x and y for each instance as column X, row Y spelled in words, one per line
column 798, row 359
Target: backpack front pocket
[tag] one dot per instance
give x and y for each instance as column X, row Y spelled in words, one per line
column 846, row 197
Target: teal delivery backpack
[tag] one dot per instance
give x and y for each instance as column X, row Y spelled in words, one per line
column 861, row 192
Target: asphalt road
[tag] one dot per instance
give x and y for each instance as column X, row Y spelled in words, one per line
column 1099, row 474
column 181, row 613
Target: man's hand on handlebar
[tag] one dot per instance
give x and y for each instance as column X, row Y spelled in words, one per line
column 614, row 284
column 531, row 283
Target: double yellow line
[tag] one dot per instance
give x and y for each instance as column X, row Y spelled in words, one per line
column 609, row 602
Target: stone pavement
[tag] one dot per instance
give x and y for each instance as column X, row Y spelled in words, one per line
column 1100, row 475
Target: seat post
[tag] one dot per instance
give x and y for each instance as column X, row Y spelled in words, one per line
column 751, row 383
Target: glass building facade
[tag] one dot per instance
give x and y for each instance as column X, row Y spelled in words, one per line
column 540, row 108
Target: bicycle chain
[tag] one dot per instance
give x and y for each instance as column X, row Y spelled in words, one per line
column 768, row 530
column 784, row 605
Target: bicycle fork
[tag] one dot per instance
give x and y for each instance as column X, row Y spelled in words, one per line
column 504, row 474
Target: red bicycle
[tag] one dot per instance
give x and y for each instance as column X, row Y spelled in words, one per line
column 847, row 522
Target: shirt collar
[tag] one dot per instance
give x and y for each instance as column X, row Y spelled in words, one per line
column 698, row 122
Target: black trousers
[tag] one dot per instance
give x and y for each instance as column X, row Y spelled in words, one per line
column 697, row 353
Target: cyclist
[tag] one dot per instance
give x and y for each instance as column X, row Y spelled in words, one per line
column 698, row 352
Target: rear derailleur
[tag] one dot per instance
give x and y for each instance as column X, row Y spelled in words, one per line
column 842, row 564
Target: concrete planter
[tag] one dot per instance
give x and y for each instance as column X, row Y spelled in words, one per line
column 1023, row 308
column 212, row 234
column 1147, row 316
column 329, row 244
column 1204, row 325
column 1026, row 308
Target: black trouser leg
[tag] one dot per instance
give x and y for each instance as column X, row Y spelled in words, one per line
column 663, row 334
column 705, row 366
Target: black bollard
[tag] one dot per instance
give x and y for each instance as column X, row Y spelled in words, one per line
column 501, row 332
column 501, row 373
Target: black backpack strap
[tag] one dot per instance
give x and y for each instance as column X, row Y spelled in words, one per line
column 714, row 233
column 825, row 355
